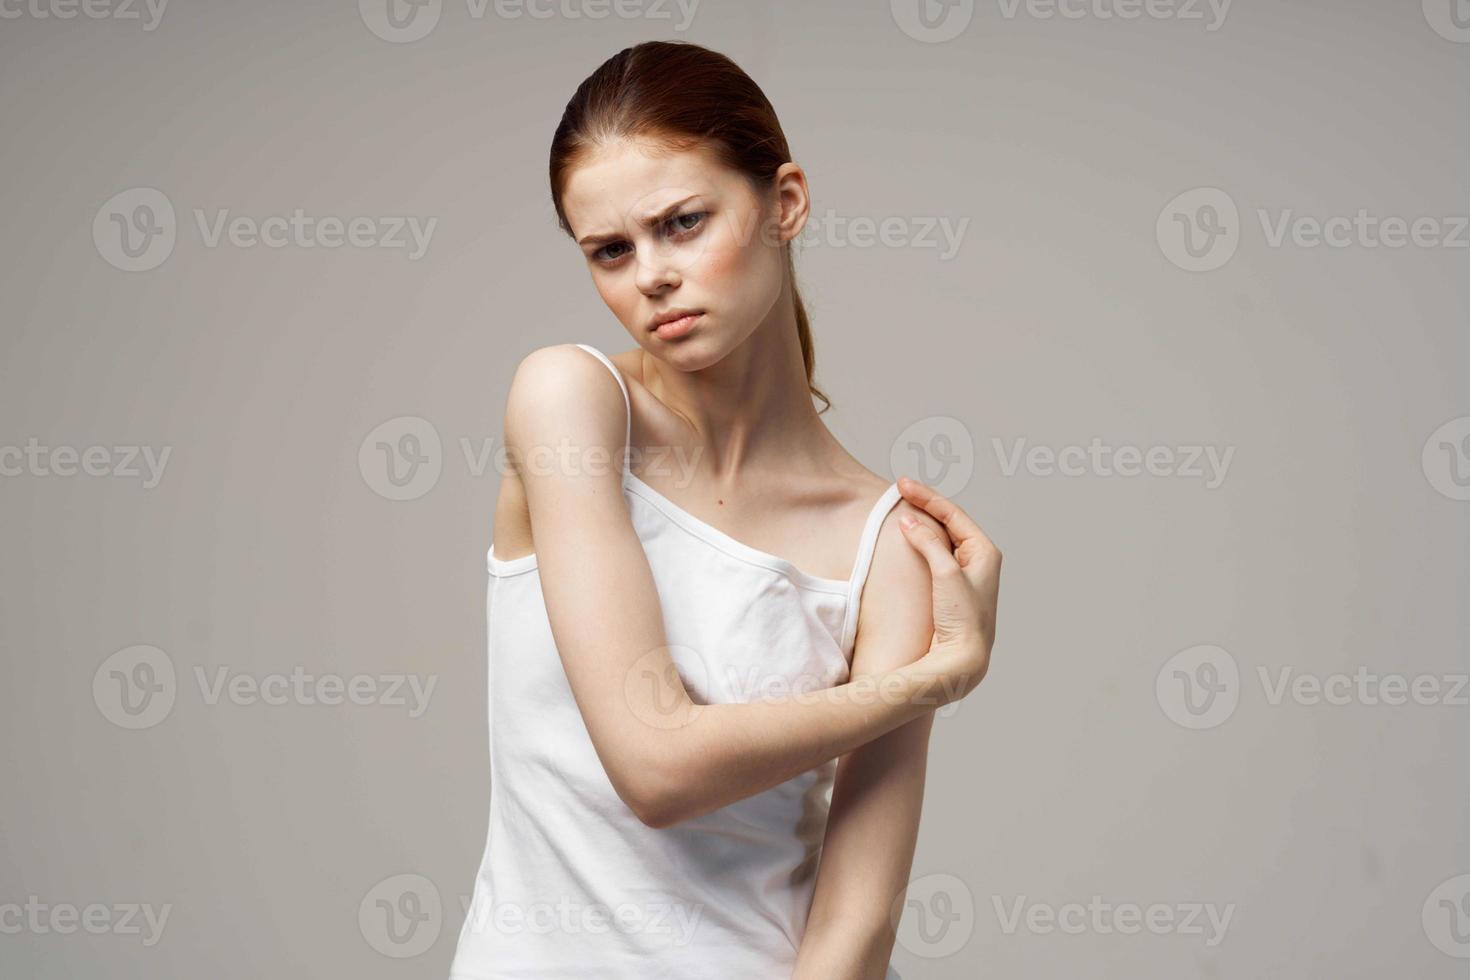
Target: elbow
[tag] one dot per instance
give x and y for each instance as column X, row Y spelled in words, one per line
column 657, row 799
column 659, row 814
column 656, row 806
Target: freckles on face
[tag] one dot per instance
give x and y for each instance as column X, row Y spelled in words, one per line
column 721, row 263
column 743, row 265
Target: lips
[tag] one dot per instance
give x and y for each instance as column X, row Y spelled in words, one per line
column 674, row 329
column 671, row 316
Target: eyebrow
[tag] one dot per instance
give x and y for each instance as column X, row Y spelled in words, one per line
column 649, row 221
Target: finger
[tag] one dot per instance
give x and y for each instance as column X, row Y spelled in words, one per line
column 928, row 544
column 961, row 527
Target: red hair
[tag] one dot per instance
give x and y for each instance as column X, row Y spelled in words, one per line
column 679, row 95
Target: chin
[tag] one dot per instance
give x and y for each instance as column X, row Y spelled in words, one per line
column 692, row 353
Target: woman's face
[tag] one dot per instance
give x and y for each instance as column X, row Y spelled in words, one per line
column 674, row 231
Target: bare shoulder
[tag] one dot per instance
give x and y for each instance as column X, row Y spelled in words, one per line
column 562, row 390
column 895, row 616
column 556, row 370
column 898, row 569
column 893, row 555
column 560, row 395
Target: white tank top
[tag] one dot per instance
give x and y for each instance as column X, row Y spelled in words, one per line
column 573, row 885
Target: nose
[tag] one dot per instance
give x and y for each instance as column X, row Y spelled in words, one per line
column 657, row 271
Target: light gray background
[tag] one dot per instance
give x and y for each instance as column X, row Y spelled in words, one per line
column 1333, row 831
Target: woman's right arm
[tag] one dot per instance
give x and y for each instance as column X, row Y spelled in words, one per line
column 667, row 757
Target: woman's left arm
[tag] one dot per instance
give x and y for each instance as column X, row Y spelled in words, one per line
column 879, row 790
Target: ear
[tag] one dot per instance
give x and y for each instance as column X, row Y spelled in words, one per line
column 793, row 202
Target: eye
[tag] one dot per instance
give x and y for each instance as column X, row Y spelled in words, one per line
column 680, row 226
column 600, row 255
column 687, row 222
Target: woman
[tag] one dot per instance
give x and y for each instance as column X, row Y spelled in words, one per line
column 679, row 656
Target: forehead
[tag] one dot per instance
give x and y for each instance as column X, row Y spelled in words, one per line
column 615, row 184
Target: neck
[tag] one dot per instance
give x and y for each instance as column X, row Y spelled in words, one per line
column 753, row 408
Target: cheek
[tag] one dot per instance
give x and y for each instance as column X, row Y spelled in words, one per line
column 721, row 263
column 615, row 289
column 744, row 262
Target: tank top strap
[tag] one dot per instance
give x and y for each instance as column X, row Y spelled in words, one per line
column 627, row 403
column 866, row 545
